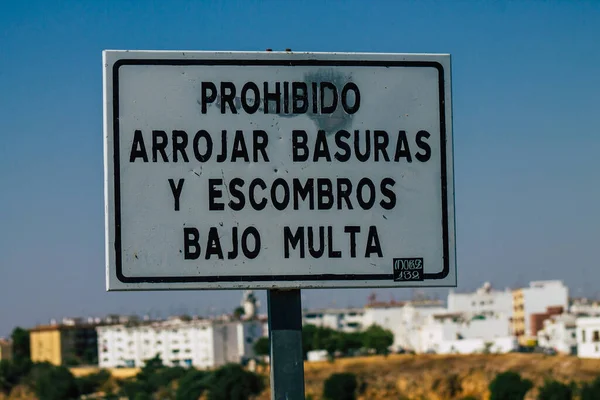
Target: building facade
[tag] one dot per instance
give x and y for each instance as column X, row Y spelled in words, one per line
column 536, row 299
column 198, row 343
column 463, row 333
column 588, row 337
column 584, row 307
column 484, row 301
column 68, row 343
column 343, row 319
column 404, row 320
column 559, row 334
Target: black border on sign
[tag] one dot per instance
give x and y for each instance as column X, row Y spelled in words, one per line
column 288, row 63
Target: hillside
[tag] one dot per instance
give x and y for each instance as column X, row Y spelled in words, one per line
column 434, row 377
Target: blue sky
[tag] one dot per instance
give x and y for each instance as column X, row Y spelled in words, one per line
column 526, row 135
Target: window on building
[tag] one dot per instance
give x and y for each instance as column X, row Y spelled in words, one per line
column 583, row 336
column 573, row 335
column 596, row 336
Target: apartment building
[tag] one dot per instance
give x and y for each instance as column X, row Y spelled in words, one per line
column 584, row 307
column 403, row 319
column 465, row 333
column 541, row 297
column 178, row 342
column 483, row 301
column 341, row 319
column 70, row 342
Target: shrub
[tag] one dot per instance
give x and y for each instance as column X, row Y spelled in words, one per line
column 232, row 382
column 93, row 382
column 262, row 346
column 509, row 386
column 53, row 383
column 340, row 387
column 554, row 390
column 191, row 385
column 591, row 390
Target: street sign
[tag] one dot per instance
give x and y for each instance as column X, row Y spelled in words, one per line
column 278, row 170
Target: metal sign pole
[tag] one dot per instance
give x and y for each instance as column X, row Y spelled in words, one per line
column 285, row 336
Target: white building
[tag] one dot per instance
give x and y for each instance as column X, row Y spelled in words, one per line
column 537, row 299
column 588, row 337
column 458, row 333
column 559, row 334
column 585, row 307
column 198, row 343
column 404, row 320
column 484, row 301
column 344, row 320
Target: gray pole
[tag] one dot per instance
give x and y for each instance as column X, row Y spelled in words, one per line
column 285, row 336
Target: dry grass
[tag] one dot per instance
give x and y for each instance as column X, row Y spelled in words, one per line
column 431, row 377
column 436, row 377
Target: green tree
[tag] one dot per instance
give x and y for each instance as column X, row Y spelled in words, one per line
column 132, row 387
column 554, row 390
column 147, row 381
column 192, row 385
column 21, row 344
column 308, row 334
column 50, row 382
column 232, row 382
column 348, row 343
column 166, row 376
column 340, row 386
column 509, row 386
column 142, row 396
column 322, row 338
column 591, row 390
column 262, row 347
column 238, row 313
column 12, row 373
column 378, row 339
column 92, row 383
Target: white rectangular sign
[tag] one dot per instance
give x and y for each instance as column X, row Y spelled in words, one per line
column 278, row 170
